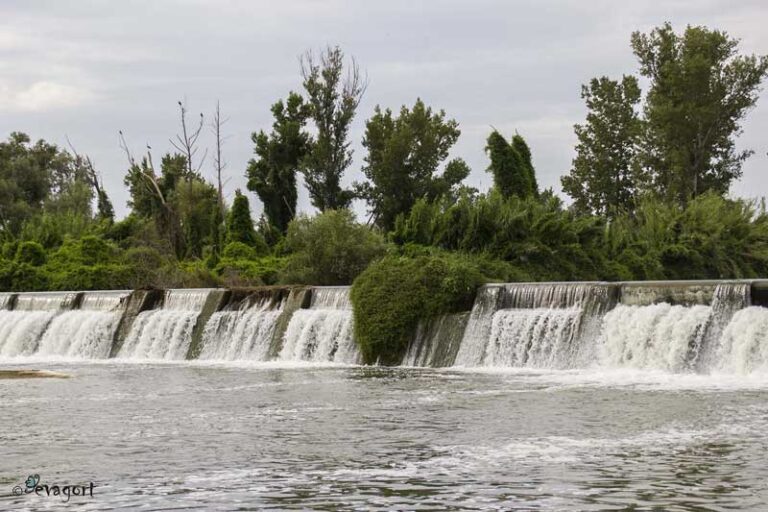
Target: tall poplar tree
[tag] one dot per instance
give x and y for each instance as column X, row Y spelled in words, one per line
column 602, row 179
column 700, row 92
column 272, row 175
column 333, row 99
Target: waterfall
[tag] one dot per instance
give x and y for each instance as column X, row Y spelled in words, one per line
column 531, row 324
column 323, row 332
column 531, row 337
column 21, row 328
column 242, row 333
column 659, row 336
column 5, row 300
column 744, row 343
column 673, row 337
column 165, row 333
column 87, row 332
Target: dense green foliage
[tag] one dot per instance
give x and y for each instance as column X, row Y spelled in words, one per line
column 240, row 223
column 273, row 175
column 683, row 146
column 404, row 153
column 332, row 100
column 393, row 294
column 330, row 249
column 700, row 91
column 603, row 179
column 511, row 166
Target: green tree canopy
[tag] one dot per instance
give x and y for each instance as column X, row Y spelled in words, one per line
column 40, row 178
column 511, row 166
column 330, row 248
column 239, row 223
column 273, row 175
column 602, row 178
column 700, row 91
column 519, row 145
column 333, row 100
column 181, row 205
column 404, row 153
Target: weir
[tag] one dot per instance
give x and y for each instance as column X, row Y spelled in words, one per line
column 675, row 326
column 245, row 328
column 87, row 332
column 22, row 327
column 322, row 333
column 165, row 333
column 436, row 341
column 537, row 325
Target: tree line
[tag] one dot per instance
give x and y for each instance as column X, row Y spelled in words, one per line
column 648, row 167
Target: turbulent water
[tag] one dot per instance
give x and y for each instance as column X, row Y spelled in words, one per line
column 87, row 332
column 245, row 333
column 165, row 333
column 532, row 325
column 679, row 327
column 21, row 328
column 322, row 333
column 193, row 436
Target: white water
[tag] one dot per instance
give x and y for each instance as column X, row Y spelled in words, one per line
column 5, row 300
column 242, row 334
column 88, row 332
column 557, row 326
column 323, row 332
column 659, row 337
column 531, row 337
column 744, row 344
column 20, row 329
column 165, row 333
column 530, row 325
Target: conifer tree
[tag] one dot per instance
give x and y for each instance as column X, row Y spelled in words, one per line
column 239, row 223
column 512, row 172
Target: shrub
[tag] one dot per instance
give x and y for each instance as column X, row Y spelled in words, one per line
column 258, row 272
column 31, row 253
column 239, row 251
column 393, row 294
column 329, row 249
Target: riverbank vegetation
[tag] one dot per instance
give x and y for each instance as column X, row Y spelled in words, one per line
column 648, row 196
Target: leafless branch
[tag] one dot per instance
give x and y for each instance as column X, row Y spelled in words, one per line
column 186, row 142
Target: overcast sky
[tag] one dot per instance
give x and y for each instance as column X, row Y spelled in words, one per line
column 88, row 69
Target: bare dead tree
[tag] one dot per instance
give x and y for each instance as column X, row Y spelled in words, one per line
column 85, row 164
column 219, row 163
column 186, row 142
column 148, row 174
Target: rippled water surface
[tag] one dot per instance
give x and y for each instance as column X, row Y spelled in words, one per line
column 215, row 437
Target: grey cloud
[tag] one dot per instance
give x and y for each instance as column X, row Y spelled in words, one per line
column 514, row 65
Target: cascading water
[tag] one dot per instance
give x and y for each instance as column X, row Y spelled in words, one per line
column 87, row 332
column 243, row 333
column 165, row 333
column 672, row 337
column 21, row 328
column 744, row 342
column 533, row 325
column 5, row 300
column 323, row 332
column 659, row 336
